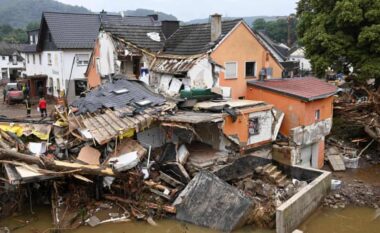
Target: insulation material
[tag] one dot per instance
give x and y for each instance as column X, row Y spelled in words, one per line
column 125, row 161
column 42, row 131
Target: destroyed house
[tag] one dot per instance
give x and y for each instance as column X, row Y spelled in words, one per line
column 308, row 107
column 172, row 58
column 118, row 109
column 59, row 51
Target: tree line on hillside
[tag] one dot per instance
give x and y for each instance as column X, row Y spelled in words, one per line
column 16, row 35
column 282, row 30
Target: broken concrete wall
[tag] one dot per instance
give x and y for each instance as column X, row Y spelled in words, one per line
column 201, row 75
column 298, row 208
column 306, row 135
column 289, row 155
column 202, row 203
column 265, row 120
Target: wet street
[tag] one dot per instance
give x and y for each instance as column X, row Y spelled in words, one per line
column 18, row 110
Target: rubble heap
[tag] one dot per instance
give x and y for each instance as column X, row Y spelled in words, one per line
column 94, row 165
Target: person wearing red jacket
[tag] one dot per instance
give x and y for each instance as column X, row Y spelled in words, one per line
column 42, row 106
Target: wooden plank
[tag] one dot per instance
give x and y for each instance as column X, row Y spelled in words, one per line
column 336, row 162
column 120, row 122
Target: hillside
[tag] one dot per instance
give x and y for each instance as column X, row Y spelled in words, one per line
column 19, row 13
column 144, row 12
column 249, row 20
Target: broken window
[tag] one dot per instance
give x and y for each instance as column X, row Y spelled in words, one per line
column 49, row 59
column 250, row 69
column 317, row 115
column 231, row 70
column 80, row 87
column 254, row 127
column 82, row 59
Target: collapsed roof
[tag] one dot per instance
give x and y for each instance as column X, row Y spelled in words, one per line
column 121, row 93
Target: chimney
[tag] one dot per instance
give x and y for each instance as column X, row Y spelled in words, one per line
column 154, row 16
column 216, row 26
column 169, row 27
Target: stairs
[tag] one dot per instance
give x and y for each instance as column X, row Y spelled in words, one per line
column 274, row 175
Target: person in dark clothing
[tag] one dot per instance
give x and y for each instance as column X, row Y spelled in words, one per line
column 42, row 106
column 28, row 107
column 4, row 94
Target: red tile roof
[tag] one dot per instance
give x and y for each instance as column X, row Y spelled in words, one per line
column 307, row 88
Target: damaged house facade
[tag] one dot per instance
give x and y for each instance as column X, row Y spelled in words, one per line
column 173, row 58
column 308, row 107
column 59, row 51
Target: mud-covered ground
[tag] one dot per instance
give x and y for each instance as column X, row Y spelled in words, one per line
column 18, row 110
column 360, row 187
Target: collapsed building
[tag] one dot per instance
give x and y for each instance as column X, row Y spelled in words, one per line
column 173, row 58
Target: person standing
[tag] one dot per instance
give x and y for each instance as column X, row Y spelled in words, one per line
column 4, row 94
column 28, row 107
column 42, row 107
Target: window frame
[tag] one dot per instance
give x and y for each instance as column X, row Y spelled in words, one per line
column 82, row 62
column 236, row 70
column 254, row 70
column 50, row 61
column 317, row 115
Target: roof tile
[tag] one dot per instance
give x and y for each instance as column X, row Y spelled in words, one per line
column 307, row 88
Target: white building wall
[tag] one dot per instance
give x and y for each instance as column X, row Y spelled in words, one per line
column 58, row 72
column 201, row 75
column 299, row 55
column 6, row 64
column 108, row 55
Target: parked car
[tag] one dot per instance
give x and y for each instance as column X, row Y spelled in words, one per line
column 14, row 93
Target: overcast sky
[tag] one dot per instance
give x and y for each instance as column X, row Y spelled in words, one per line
column 193, row 9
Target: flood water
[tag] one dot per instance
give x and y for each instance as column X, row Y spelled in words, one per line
column 348, row 220
column 41, row 223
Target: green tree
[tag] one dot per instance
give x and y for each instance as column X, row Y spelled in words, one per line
column 259, row 24
column 341, row 34
column 277, row 30
column 32, row 26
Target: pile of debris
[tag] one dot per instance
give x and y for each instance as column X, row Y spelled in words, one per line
column 123, row 152
column 359, row 106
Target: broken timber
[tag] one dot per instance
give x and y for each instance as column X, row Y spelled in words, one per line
column 56, row 166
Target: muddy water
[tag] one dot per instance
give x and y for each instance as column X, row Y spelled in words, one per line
column 348, row 220
column 41, row 222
